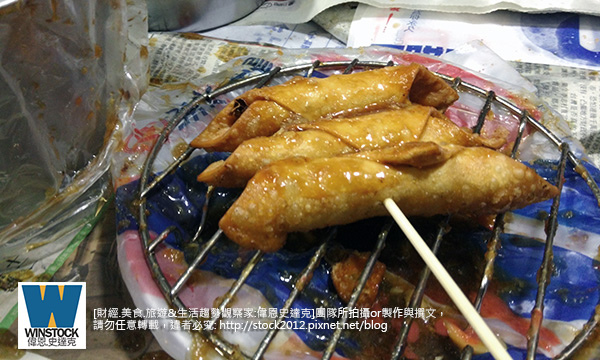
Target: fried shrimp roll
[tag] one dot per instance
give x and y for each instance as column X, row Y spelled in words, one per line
column 263, row 111
column 328, row 138
column 300, row 194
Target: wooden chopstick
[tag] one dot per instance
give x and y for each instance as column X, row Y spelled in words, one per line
column 496, row 348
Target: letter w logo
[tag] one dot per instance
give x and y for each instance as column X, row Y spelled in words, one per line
column 51, row 305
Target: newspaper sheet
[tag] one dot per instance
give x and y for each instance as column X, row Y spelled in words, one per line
column 574, row 93
column 192, row 56
column 296, row 11
column 557, row 39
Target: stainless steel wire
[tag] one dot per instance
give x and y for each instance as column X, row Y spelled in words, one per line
column 417, row 295
column 494, row 242
column 301, row 282
column 537, row 314
column 148, row 182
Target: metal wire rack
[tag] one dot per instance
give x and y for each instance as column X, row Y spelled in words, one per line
column 303, row 279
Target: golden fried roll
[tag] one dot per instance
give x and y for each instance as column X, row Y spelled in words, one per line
column 300, row 195
column 261, row 112
column 416, row 154
column 254, row 154
column 327, row 138
column 390, row 127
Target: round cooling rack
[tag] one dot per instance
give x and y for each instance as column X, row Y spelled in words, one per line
column 491, row 102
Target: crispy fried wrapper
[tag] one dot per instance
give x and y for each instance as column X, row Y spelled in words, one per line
column 332, row 137
column 263, row 111
column 300, row 194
